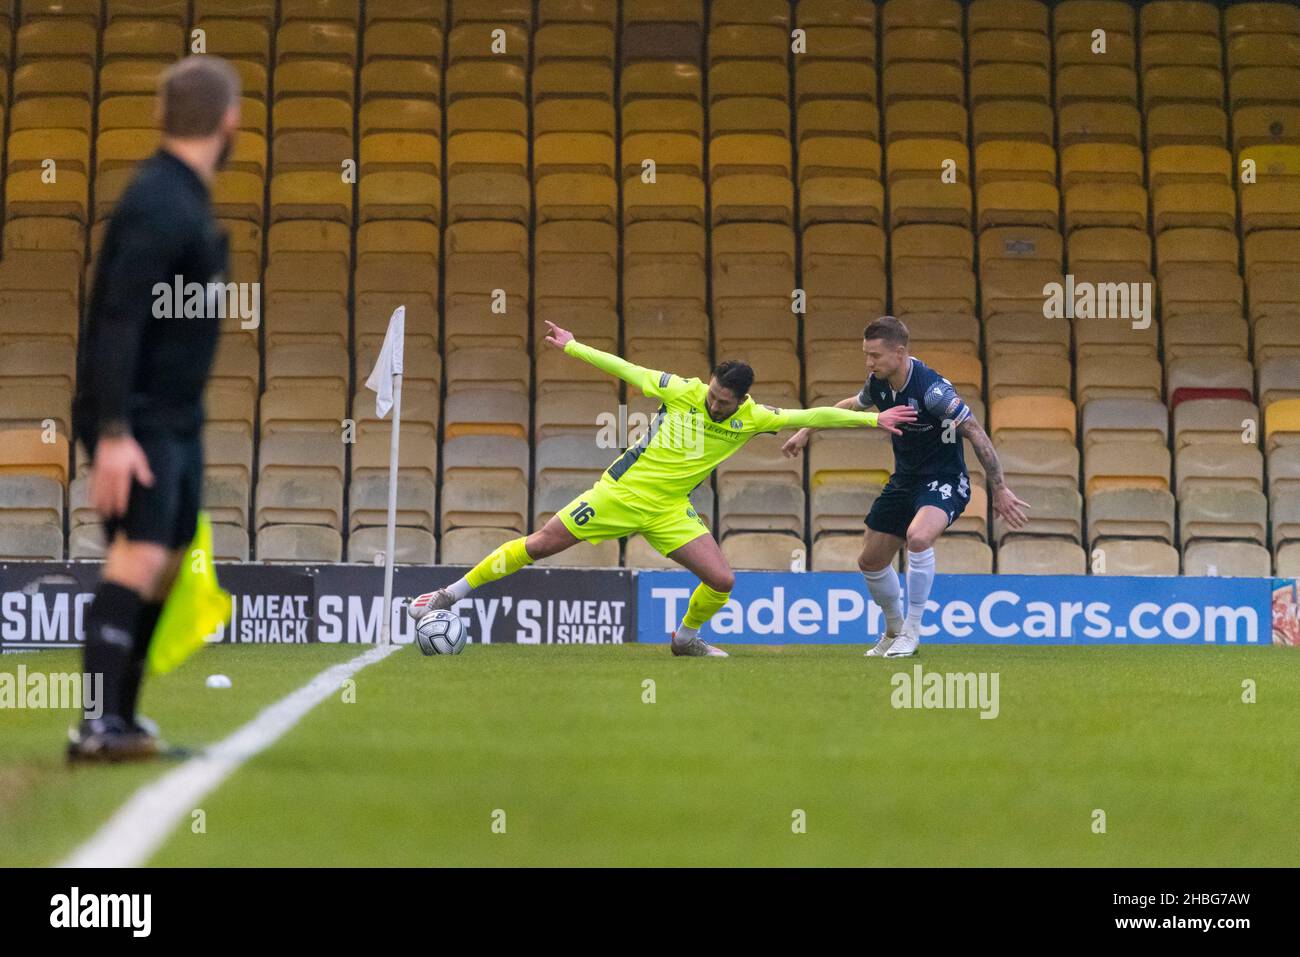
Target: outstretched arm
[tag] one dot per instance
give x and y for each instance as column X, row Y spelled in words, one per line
column 841, row 416
column 797, row 442
column 647, row 380
column 1005, row 502
column 889, row 420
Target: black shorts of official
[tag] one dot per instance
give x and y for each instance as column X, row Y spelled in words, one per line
column 165, row 513
column 902, row 497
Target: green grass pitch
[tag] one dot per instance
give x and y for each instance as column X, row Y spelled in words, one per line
column 558, row 744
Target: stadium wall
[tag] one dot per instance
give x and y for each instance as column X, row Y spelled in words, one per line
column 42, row 605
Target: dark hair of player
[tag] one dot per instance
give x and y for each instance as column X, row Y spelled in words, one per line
column 195, row 94
column 889, row 329
column 734, row 375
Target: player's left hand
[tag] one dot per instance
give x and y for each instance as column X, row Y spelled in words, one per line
column 796, row 443
column 1010, row 508
column 556, row 336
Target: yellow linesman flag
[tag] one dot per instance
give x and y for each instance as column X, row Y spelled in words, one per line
column 195, row 608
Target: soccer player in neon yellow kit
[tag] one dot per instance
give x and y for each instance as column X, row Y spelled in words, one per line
column 646, row 489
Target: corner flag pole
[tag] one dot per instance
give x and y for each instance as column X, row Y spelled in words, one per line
column 391, row 540
column 386, row 382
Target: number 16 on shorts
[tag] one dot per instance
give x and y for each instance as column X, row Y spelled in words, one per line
column 582, row 513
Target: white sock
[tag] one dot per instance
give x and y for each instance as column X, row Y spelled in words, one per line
column 685, row 633
column 920, row 576
column 460, row 589
column 888, row 594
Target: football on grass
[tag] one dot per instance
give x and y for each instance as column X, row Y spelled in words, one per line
column 440, row 633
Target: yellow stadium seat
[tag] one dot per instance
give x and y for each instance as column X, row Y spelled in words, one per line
column 661, row 81
column 1103, row 244
column 1182, row 48
column 1196, row 290
column 923, row 81
column 1117, row 377
column 1014, row 160
column 673, row 197
column 997, row 15
column 741, row 153
column 935, row 40
column 995, row 82
column 1179, row 16
column 1097, row 122
column 1031, row 374
column 1101, row 163
column 1274, row 293
column 750, row 114
column 1201, row 204
column 1270, row 205
column 1012, row 334
column 1096, row 84
column 1274, row 123
column 1276, row 336
column 1126, row 464
column 1186, row 124
column 1018, row 203
column 1125, row 420
column 1207, row 247
column 1054, row 513
column 1179, row 86
column 1073, row 16
column 1019, row 120
column 932, row 244
column 24, row 451
column 839, row 156
column 484, row 78
column 1032, row 416
column 1190, row 164
column 827, row 79
column 836, row 117
column 1105, row 204
column 757, row 78
column 53, row 78
column 925, row 118
column 1186, row 336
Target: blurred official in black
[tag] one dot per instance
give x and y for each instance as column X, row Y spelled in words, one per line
column 142, row 364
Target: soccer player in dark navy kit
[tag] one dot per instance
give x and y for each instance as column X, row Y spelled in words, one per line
column 140, row 381
column 930, row 486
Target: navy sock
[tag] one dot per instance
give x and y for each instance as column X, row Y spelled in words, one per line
column 110, row 638
column 141, row 636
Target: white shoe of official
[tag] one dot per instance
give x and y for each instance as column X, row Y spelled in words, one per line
column 880, row 647
column 697, row 647
column 904, row 645
column 421, row 605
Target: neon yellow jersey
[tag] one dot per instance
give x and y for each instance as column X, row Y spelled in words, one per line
column 683, row 444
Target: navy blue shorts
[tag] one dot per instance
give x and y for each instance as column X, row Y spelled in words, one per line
column 902, row 498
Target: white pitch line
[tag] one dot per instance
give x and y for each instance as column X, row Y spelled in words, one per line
column 143, row 823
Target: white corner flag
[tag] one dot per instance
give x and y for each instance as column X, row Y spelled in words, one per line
column 389, row 364
column 386, row 382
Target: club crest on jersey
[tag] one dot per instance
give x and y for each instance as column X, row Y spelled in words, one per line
column 737, row 424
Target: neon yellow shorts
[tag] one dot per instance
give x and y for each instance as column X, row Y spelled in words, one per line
column 605, row 511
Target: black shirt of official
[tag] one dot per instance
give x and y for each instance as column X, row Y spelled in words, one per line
column 140, row 359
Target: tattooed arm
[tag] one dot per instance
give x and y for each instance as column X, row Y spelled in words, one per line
column 1005, row 502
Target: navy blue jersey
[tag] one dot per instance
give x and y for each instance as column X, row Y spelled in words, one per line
column 921, row 449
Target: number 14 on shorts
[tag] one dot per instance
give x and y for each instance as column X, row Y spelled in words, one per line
column 946, row 488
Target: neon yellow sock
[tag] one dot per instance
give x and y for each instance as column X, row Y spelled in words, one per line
column 505, row 560
column 705, row 603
